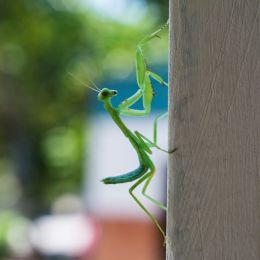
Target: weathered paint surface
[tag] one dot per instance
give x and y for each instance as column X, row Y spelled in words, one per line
column 213, row 182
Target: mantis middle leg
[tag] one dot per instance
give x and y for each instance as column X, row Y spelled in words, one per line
column 147, row 141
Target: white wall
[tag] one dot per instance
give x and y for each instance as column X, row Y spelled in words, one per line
column 109, row 154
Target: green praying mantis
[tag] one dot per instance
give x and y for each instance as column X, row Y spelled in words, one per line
column 141, row 144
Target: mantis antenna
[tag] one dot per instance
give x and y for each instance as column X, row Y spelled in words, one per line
column 95, row 88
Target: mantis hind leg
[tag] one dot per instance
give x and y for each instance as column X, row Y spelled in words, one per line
column 156, row 202
column 146, row 177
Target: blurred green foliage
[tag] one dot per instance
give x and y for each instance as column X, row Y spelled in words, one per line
column 43, row 109
column 161, row 7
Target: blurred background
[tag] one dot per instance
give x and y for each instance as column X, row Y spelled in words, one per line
column 56, row 140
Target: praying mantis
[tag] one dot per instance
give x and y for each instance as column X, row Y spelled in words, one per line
column 141, row 144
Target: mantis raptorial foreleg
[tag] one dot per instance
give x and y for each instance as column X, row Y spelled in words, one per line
column 146, row 94
column 124, row 106
column 130, row 101
column 154, row 34
column 143, row 77
column 157, row 78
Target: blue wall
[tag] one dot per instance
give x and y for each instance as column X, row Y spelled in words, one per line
column 128, row 87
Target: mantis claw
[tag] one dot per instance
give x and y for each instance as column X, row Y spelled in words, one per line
column 173, row 150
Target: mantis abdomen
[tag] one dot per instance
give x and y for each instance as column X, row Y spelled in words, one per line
column 127, row 177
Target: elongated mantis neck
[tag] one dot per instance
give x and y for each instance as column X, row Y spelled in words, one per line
column 115, row 116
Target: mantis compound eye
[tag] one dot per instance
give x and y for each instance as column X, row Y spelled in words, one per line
column 114, row 92
column 104, row 93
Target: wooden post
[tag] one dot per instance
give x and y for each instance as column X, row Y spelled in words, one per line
column 213, row 185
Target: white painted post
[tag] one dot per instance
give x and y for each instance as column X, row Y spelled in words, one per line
column 213, row 182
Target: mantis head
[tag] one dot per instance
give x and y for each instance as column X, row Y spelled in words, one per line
column 106, row 94
column 103, row 94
